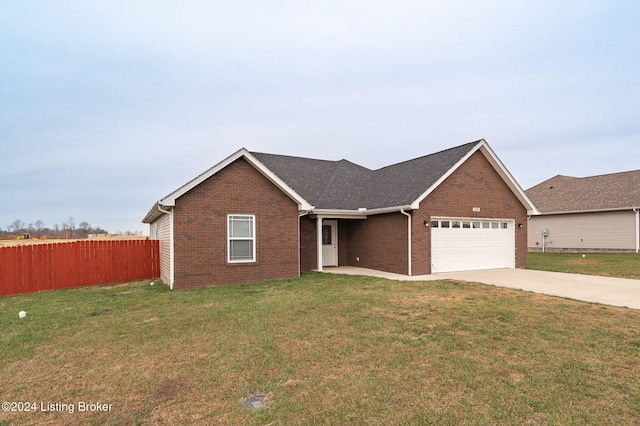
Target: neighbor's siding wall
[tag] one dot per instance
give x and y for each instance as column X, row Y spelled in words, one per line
column 163, row 233
column 604, row 231
column 474, row 184
column 200, row 229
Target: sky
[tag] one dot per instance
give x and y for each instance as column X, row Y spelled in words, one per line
column 106, row 107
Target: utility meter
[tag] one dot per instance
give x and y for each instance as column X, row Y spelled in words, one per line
column 545, row 232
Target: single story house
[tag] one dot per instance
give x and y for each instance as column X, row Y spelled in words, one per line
column 257, row 216
column 590, row 214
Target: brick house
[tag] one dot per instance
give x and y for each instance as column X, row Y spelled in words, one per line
column 590, row 214
column 257, row 216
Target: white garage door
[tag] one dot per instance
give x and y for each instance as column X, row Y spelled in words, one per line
column 471, row 244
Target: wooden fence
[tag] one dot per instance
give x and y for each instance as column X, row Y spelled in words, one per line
column 30, row 268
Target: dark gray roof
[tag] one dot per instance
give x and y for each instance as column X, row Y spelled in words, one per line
column 602, row 192
column 343, row 185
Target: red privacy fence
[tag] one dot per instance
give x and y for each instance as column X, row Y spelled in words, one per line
column 29, row 268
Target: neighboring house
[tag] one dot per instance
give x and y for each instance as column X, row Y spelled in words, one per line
column 258, row 216
column 591, row 214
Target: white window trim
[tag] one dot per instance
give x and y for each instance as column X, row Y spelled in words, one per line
column 253, row 232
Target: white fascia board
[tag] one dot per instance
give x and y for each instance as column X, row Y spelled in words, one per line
column 356, row 214
column 617, row 209
column 499, row 167
column 170, row 200
column 338, row 214
column 393, row 209
column 154, row 214
column 507, row 177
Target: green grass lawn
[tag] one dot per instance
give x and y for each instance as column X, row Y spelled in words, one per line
column 326, row 349
column 626, row 265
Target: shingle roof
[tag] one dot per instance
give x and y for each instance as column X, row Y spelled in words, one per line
column 343, row 185
column 603, row 192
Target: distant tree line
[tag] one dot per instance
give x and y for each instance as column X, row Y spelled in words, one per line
column 66, row 229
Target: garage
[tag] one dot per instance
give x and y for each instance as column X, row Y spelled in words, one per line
column 464, row 244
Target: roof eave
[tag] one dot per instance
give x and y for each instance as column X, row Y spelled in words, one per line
column 612, row 209
column 358, row 214
column 170, row 200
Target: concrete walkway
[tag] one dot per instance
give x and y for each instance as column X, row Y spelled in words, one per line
column 588, row 288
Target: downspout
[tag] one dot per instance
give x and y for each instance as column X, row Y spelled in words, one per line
column 408, row 238
column 171, row 256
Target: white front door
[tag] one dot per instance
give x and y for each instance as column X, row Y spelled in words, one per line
column 329, row 243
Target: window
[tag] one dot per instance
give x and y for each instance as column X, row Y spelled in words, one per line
column 434, row 223
column 494, row 225
column 485, row 225
column 476, row 225
column 444, row 224
column 466, row 225
column 326, row 235
column 241, row 238
column 455, row 224
column 503, row 225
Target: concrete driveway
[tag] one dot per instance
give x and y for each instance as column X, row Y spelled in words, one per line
column 588, row 288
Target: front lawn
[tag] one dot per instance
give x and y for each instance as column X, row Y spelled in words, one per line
column 325, row 349
column 622, row 265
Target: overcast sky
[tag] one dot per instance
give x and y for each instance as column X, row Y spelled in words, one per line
column 106, row 107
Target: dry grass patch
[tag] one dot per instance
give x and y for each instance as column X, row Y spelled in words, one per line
column 326, row 349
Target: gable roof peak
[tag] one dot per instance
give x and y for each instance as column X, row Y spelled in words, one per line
column 600, row 192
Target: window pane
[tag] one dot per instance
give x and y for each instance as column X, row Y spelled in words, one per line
column 241, row 250
column 326, row 235
column 494, row 225
column 241, row 227
column 455, row 224
column 485, row 225
column 476, row 225
column 466, row 224
column 444, row 223
column 504, row 225
column 434, row 223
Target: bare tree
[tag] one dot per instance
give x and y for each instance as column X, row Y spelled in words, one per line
column 39, row 225
column 69, row 225
column 85, row 229
column 16, row 226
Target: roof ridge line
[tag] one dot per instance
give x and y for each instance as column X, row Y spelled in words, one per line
column 429, row 155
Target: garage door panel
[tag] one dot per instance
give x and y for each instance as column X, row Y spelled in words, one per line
column 459, row 249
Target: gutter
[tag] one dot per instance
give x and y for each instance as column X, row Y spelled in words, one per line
column 408, row 238
column 616, row 209
column 360, row 213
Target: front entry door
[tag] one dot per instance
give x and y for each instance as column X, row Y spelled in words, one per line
column 330, row 243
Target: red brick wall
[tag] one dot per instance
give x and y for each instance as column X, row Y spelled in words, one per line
column 380, row 242
column 474, row 184
column 200, row 225
column 308, row 248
